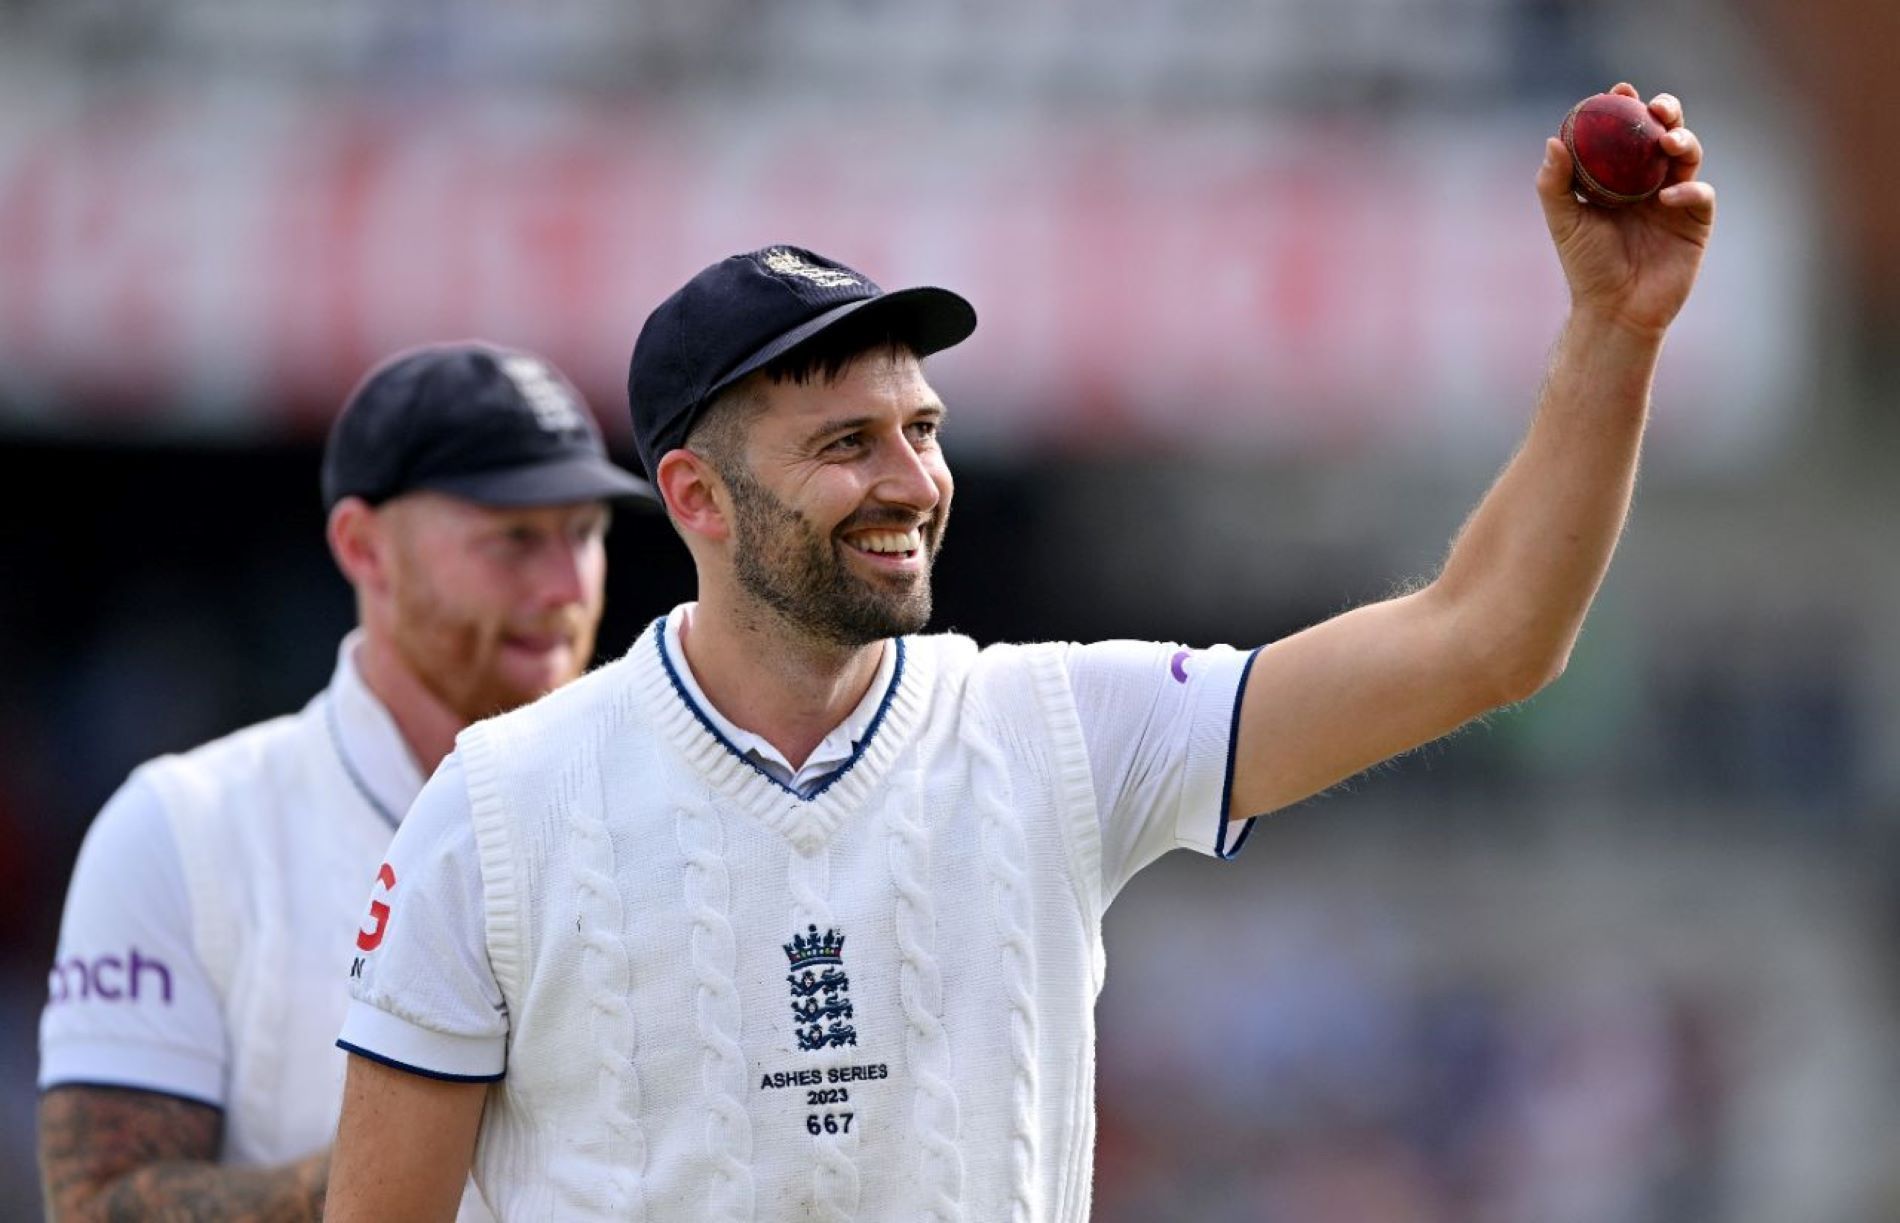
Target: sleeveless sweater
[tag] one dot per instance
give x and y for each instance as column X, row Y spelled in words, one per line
column 729, row 1002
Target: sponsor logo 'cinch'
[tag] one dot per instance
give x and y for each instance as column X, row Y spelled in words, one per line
column 370, row 940
column 110, row 978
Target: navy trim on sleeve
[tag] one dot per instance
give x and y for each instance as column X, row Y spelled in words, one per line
column 1221, row 848
column 393, row 1064
column 146, row 1091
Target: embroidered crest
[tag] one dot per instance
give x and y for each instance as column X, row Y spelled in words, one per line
column 820, row 1003
column 785, row 262
column 553, row 408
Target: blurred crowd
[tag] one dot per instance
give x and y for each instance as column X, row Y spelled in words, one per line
column 1378, row 53
column 1458, row 1033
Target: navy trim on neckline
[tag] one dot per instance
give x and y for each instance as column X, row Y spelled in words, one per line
column 836, row 775
column 330, row 717
column 1221, row 849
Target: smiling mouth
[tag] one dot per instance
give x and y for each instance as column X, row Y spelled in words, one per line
column 889, row 547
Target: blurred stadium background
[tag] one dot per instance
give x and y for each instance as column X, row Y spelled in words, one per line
column 1265, row 297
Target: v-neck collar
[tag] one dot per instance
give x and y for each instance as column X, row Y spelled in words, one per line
column 367, row 741
column 835, row 752
column 807, row 821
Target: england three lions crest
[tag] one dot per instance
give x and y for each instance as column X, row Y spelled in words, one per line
column 820, row 1001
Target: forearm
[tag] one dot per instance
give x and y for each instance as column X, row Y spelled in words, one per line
column 1524, row 569
column 191, row 1189
column 123, row 1153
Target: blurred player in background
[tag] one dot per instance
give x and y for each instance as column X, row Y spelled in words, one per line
column 187, row 1057
column 789, row 913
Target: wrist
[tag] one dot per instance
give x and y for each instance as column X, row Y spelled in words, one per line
column 1605, row 360
column 1615, row 329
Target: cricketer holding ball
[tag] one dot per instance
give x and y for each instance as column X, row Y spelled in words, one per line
column 792, row 913
column 187, row 1052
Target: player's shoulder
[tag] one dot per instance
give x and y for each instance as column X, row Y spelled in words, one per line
column 567, row 709
column 1009, row 654
column 954, row 660
column 264, row 758
column 217, row 776
column 940, row 646
column 959, row 648
column 936, row 659
column 133, row 824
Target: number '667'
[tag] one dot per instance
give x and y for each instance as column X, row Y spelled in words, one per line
column 828, row 1123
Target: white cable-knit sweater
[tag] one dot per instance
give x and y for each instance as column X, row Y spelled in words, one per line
column 703, row 996
column 728, row 1002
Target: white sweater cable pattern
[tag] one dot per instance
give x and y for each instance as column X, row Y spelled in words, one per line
column 714, row 951
column 920, row 990
column 1004, row 851
column 607, row 979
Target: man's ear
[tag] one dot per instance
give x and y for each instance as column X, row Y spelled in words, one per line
column 358, row 542
column 695, row 495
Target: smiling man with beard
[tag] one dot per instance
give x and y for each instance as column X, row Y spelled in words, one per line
column 791, row 913
column 187, row 1052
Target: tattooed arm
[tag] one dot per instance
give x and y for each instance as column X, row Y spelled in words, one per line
column 110, row 1153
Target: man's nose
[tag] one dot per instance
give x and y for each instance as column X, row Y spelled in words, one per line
column 560, row 573
column 908, row 477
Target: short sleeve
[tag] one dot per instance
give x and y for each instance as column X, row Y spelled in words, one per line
column 129, row 1004
column 1158, row 722
column 422, row 995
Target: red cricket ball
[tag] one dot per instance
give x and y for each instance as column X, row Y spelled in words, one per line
column 1616, row 150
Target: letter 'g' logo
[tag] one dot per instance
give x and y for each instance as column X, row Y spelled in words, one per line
column 370, row 940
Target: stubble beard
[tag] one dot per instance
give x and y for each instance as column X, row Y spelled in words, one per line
column 785, row 563
column 455, row 657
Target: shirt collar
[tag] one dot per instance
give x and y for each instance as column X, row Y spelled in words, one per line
column 832, row 751
column 367, row 739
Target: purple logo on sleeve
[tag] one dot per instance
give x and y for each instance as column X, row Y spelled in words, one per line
column 1177, row 666
column 109, row 978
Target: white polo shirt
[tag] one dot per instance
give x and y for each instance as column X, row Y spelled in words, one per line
column 206, row 936
column 132, row 1002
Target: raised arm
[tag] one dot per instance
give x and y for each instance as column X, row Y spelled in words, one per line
column 404, row 1145
column 118, row 1153
column 1499, row 621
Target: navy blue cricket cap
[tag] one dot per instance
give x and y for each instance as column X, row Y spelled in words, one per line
column 746, row 311
column 486, row 424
